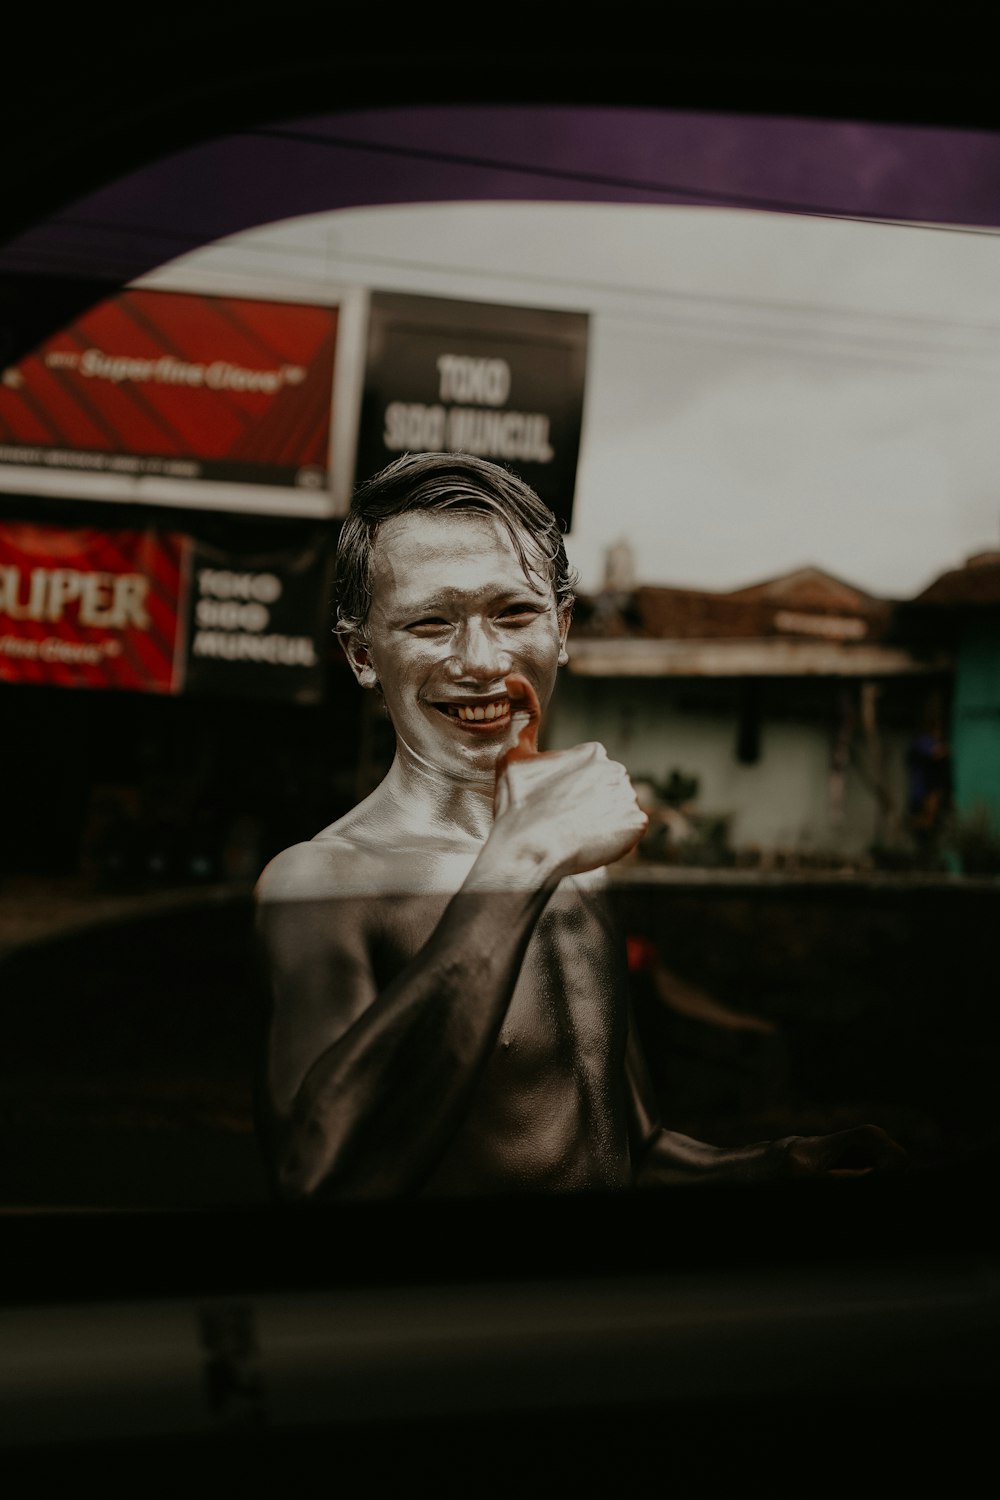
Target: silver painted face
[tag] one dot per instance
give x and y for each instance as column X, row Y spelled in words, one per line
column 453, row 613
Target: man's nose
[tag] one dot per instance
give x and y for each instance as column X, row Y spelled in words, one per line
column 480, row 655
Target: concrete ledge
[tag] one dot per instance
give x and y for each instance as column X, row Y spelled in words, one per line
column 37, row 910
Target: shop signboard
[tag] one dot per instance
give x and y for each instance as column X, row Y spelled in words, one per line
column 177, row 398
column 90, row 609
column 159, row 612
column 504, row 383
column 258, row 627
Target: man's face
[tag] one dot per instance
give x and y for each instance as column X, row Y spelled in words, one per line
column 452, row 614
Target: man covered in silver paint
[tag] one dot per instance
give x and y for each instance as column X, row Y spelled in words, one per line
column 450, row 1011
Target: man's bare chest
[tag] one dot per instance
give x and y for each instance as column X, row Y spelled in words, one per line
column 567, row 1007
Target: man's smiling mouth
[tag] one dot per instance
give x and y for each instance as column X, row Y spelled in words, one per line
column 494, row 714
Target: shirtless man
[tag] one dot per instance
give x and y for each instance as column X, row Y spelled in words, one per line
column 450, row 1008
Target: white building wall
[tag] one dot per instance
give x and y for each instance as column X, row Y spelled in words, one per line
column 782, row 801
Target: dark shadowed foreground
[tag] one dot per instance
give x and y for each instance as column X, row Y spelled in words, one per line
column 130, row 1047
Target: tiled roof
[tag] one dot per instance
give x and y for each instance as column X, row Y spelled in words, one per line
column 807, row 604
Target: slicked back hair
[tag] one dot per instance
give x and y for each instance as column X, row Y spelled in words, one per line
column 437, row 482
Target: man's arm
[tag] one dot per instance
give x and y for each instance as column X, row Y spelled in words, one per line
column 664, row 1158
column 368, row 1084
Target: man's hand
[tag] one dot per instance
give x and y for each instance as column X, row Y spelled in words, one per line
column 565, row 811
column 671, row 1158
column 845, row 1153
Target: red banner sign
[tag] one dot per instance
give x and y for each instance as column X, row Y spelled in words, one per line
column 92, row 609
column 161, row 612
column 156, row 386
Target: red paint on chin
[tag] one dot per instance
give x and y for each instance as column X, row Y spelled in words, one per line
column 523, row 699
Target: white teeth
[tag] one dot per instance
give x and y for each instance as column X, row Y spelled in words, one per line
column 470, row 714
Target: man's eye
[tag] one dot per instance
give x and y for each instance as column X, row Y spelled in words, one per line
column 520, row 613
column 433, row 622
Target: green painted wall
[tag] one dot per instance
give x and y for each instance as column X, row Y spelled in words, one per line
column 976, row 721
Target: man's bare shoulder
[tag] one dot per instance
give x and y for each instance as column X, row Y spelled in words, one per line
column 373, row 850
column 332, row 865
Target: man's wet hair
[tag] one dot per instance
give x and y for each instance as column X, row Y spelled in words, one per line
column 438, row 482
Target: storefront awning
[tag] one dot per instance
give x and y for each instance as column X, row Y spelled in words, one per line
column 748, row 658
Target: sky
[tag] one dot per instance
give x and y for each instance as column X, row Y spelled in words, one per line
column 764, row 391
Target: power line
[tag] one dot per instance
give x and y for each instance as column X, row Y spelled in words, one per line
column 799, row 324
column 257, row 245
column 733, row 301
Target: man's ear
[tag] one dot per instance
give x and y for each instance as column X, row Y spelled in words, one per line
column 358, row 653
column 564, row 615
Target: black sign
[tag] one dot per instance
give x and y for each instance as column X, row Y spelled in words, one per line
column 258, row 627
column 504, row 383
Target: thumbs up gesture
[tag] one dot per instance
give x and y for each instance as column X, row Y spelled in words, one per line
column 569, row 811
